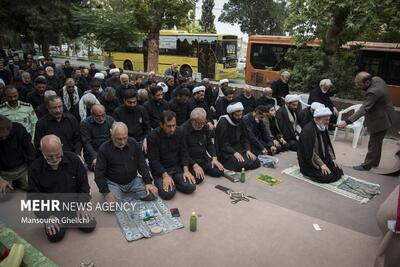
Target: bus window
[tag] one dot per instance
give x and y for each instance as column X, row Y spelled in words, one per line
column 266, row 55
column 393, row 69
column 372, row 62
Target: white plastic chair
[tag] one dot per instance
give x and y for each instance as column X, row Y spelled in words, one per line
column 357, row 126
column 304, row 100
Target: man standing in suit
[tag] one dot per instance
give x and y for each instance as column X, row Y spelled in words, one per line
column 378, row 111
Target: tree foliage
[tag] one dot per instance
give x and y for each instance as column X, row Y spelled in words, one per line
column 256, row 16
column 207, row 16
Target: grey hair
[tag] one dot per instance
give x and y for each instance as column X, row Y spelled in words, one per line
column 47, row 94
column 142, row 91
column 196, row 113
column 109, row 91
column 206, row 80
column 116, row 125
column 325, row 82
column 285, row 74
column 5, row 123
column 54, row 138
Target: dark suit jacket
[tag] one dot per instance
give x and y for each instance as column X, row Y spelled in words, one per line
column 377, row 108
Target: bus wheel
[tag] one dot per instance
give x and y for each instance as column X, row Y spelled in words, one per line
column 128, row 65
column 186, row 71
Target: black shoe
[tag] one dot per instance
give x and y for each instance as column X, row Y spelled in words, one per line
column 361, row 168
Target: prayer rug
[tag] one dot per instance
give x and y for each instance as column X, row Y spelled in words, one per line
column 348, row 186
column 143, row 217
column 269, row 180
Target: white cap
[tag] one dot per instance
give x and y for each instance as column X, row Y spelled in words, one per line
column 317, row 105
column 234, row 107
column 322, row 112
column 163, row 86
column 114, row 70
column 223, row 81
column 40, row 57
column 99, row 75
column 291, row 98
column 197, row 89
column 2, row 82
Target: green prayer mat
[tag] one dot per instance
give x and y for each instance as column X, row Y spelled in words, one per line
column 32, row 256
column 348, row 186
column 269, row 180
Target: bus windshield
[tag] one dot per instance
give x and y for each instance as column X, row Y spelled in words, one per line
column 227, row 50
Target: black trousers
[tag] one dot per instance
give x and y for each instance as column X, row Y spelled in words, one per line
column 180, row 184
column 231, row 163
column 208, row 169
column 373, row 156
column 291, row 145
column 84, row 227
column 316, row 175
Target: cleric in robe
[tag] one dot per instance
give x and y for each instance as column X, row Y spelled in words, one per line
column 315, row 151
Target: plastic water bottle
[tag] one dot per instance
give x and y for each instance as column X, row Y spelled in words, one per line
column 242, row 176
column 193, row 222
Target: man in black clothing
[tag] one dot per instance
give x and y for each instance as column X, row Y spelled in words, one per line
column 232, row 144
column 280, row 87
column 315, row 152
column 94, row 88
column 143, row 96
column 260, row 141
column 61, row 124
column 53, row 82
column 5, row 74
column 58, row 175
column 247, row 99
column 125, row 85
column 36, row 97
column 114, row 80
column 80, row 81
column 109, row 100
column 211, row 94
column 95, row 130
column 198, row 101
column 71, row 95
column 118, row 162
column 180, row 106
column 134, row 116
column 168, row 157
column 266, row 99
column 92, row 70
column 26, row 86
column 155, row 106
column 200, row 146
column 222, row 103
column 16, row 154
column 68, row 69
column 306, row 115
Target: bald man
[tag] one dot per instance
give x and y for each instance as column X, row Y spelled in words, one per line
column 123, row 87
column 379, row 116
column 247, row 99
column 266, row 98
column 59, row 175
column 95, row 130
column 118, row 162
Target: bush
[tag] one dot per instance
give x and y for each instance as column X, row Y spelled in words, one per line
column 310, row 66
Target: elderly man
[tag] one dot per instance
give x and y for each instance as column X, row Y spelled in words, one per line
column 168, row 157
column 223, row 85
column 61, row 124
column 247, row 99
column 315, row 151
column 26, row 86
column 321, row 95
column 260, row 141
column 16, row 154
column 306, row 115
column 18, row 111
column 35, row 97
column 174, row 71
column 109, row 100
column 95, row 88
column 125, row 85
column 202, row 155
column 134, row 116
column 198, row 101
column 288, row 123
column 118, row 162
column 379, row 116
column 95, row 130
column 114, row 80
column 42, row 110
column 223, row 102
column 156, row 105
column 180, row 106
column 59, row 175
column 280, row 87
column 53, row 82
column 211, row 94
column 232, row 144
column 266, row 98
column 71, row 95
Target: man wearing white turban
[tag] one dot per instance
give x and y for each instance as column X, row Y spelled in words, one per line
column 306, row 115
column 315, row 152
column 231, row 142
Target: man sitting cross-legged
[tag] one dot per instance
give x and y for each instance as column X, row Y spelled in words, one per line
column 168, row 157
column 118, row 162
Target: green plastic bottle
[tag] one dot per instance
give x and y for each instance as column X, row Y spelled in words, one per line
column 193, row 222
column 242, row 176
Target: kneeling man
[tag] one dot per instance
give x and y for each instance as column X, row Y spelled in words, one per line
column 315, row 151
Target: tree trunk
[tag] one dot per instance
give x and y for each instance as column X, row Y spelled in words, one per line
column 45, row 47
column 153, row 45
column 332, row 40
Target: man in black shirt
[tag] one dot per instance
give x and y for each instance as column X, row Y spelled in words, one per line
column 198, row 101
column 168, row 157
column 118, row 162
column 16, row 154
column 180, row 106
column 36, row 97
column 200, row 146
column 155, row 106
column 266, row 99
column 58, row 175
column 280, row 87
column 61, row 124
column 109, row 100
column 125, row 85
column 95, row 130
column 26, row 86
column 134, row 116
column 247, row 99
column 222, row 103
